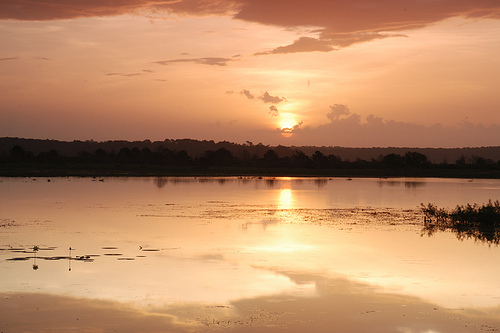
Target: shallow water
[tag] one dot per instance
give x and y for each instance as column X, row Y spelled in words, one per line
column 247, row 255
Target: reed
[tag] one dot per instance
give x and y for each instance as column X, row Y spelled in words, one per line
column 480, row 222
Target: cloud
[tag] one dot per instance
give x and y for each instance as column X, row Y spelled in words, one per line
column 124, row 74
column 340, row 40
column 333, row 15
column 363, row 15
column 8, row 59
column 351, row 130
column 266, row 98
column 247, row 94
column 202, row 61
column 289, row 130
column 273, row 111
column 327, row 42
column 303, row 44
column 337, row 111
column 338, row 23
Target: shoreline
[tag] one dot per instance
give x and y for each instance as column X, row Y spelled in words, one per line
column 153, row 171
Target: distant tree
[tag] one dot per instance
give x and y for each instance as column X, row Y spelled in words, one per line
column 361, row 164
column 271, row 159
column 166, row 157
column 301, row 160
column 334, row 161
column 100, row 155
column 482, row 163
column 219, row 157
column 182, row 158
column 124, row 155
column 393, row 161
column 85, row 157
column 320, row 161
column 461, row 162
column 17, row 153
column 416, row 160
column 52, row 156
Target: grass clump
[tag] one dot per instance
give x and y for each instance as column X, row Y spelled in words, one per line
column 480, row 222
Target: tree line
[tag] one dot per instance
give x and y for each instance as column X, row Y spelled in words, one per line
column 223, row 158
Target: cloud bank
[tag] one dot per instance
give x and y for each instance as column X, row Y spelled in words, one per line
column 337, row 23
column 351, row 130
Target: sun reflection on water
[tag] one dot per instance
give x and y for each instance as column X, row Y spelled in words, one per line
column 285, row 200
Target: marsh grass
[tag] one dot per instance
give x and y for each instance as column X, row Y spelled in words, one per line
column 481, row 223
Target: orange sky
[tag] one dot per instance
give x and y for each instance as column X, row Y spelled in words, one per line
column 358, row 73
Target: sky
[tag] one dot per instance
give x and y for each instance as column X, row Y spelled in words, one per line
column 358, row 73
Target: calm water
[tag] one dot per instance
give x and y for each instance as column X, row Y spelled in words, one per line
column 246, row 255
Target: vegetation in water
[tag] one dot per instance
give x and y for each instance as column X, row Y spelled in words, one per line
column 480, row 222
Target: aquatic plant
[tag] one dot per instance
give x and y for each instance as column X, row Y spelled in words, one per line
column 470, row 221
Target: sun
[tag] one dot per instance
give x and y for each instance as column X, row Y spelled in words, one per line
column 287, row 123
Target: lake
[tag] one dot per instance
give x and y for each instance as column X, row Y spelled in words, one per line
column 241, row 255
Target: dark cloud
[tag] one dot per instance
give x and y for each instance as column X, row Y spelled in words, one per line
column 332, row 15
column 339, row 23
column 202, row 61
column 8, row 59
column 266, row 98
column 363, row 15
column 273, row 111
column 37, row 10
column 344, row 23
column 247, row 93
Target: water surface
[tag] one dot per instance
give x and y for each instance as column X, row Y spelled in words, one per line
column 241, row 254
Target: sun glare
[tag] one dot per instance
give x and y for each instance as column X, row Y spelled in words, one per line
column 286, row 199
column 286, row 123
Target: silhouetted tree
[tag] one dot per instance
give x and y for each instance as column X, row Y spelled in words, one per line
column 124, row 155
column 482, row 163
column 334, row 161
column 416, row 160
column 271, row 159
column 85, row 157
column 320, row 161
column 393, row 161
column 52, row 156
column 182, row 158
column 301, row 160
column 100, row 155
column 461, row 162
column 220, row 157
column 17, row 153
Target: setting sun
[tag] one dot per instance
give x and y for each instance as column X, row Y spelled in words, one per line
column 287, row 123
